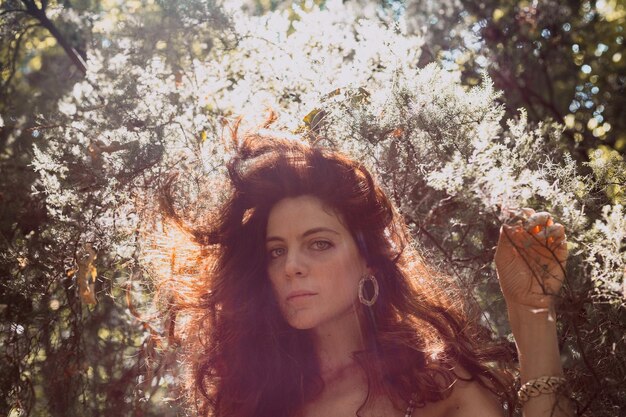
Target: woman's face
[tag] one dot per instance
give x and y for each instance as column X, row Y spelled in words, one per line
column 313, row 262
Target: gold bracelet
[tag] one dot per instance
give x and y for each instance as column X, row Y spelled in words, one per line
column 538, row 386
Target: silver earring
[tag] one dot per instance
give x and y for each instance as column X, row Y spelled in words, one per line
column 362, row 299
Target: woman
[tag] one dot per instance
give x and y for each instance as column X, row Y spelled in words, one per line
column 314, row 302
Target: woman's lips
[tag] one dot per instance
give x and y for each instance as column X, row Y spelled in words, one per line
column 300, row 295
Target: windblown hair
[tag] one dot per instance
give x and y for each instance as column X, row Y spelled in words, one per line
column 244, row 359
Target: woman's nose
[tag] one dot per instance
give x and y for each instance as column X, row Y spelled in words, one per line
column 295, row 265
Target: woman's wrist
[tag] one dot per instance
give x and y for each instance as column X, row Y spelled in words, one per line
column 523, row 316
column 537, row 342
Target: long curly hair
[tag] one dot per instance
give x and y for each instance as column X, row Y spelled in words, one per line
column 244, row 360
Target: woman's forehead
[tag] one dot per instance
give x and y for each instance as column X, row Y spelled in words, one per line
column 297, row 215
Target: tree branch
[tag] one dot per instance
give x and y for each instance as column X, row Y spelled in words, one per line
column 40, row 15
column 7, row 11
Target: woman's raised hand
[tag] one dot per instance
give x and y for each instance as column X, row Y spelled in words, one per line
column 530, row 259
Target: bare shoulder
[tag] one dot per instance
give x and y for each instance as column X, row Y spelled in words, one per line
column 471, row 398
column 468, row 399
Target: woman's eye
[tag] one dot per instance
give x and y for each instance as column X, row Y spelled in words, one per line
column 321, row 245
column 276, row 252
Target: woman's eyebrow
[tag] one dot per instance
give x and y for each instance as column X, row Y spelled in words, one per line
column 305, row 234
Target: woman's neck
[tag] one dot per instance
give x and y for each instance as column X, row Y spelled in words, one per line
column 335, row 343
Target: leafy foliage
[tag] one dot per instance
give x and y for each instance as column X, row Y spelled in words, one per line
column 559, row 60
column 162, row 77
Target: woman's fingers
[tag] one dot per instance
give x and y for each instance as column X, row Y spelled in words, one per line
column 552, row 235
column 553, row 232
column 538, row 221
column 531, row 254
column 536, row 242
column 530, row 230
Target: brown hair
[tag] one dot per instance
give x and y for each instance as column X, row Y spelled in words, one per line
column 245, row 360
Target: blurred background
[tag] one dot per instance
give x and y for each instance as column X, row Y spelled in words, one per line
column 98, row 99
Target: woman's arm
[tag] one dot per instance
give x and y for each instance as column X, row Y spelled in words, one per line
column 530, row 261
column 538, row 351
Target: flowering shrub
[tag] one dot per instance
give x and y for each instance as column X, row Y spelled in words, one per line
column 348, row 76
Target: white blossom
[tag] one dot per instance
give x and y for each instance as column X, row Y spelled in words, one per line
column 352, row 69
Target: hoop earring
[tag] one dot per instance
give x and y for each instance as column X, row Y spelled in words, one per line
column 362, row 298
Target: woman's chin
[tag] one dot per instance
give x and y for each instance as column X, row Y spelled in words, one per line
column 301, row 322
